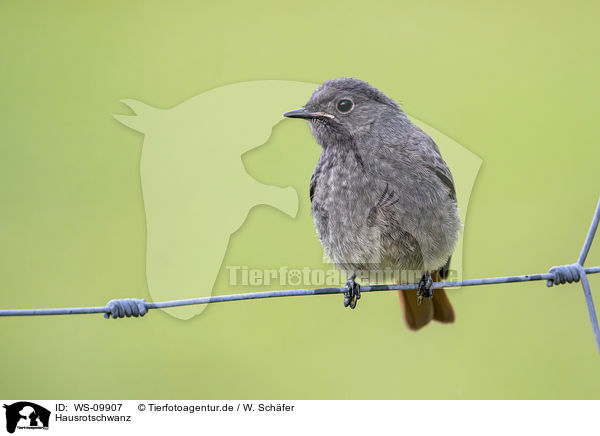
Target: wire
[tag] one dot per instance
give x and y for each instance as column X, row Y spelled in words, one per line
column 131, row 303
column 133, row 307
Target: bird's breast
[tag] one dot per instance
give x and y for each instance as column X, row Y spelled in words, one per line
column 342, row 198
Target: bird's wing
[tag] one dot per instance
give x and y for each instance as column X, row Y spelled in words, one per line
column 313, row 185
column 314, row 178
column 418, row 154
column 432, row 160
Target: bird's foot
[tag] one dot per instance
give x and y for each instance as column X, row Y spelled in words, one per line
column 425, row 289
column 352, row 294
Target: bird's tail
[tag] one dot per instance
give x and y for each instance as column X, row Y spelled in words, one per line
column 419, row 315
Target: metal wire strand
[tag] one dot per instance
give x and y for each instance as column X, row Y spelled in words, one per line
column 133, row 307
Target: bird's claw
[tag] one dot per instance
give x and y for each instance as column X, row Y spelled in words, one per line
column 352, row 294
column 425, row 289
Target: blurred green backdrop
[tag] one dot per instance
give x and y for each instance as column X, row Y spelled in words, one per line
column 515, row 82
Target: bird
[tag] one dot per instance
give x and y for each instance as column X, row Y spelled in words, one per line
column 382, row 197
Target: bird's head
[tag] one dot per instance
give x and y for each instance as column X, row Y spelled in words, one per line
column 342, row 109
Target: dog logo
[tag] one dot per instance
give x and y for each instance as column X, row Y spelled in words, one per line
column 26, row 415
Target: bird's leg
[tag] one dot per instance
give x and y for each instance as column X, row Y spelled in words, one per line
column 352, row 294
column 425, row 289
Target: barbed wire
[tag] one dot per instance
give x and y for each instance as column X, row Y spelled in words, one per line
column 134, row 307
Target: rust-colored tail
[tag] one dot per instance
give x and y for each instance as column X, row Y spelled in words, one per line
column 419, row 315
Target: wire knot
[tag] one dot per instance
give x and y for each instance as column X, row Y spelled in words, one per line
column 564, row 274
column 126, row 307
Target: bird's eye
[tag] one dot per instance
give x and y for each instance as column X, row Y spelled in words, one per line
column 345, row 105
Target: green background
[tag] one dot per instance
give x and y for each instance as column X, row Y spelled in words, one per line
column 515, row 82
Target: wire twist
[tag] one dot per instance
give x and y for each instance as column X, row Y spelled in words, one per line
column 564, row 274
column 126, row 307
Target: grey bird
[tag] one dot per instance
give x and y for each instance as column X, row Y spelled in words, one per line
column 382, row 196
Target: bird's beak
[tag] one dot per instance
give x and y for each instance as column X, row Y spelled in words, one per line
column 306, row 114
